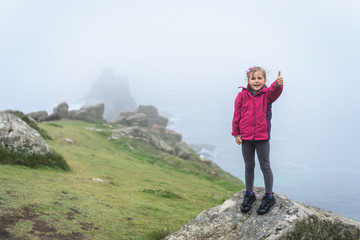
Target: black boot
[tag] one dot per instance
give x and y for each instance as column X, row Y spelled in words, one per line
column 266, row 204
column 248, row 200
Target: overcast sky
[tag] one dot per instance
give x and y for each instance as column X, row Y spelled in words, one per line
column 185, row 53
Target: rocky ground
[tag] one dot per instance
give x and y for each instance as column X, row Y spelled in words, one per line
column 288, row 219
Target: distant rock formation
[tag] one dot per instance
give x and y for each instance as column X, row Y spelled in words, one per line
column 144, row 116
column 288, row 219
column 17, row 136
column 113, row 91
column 86, row 113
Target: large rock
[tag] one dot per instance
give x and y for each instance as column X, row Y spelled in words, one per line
column 161, row 145
column 149, row 111
column 288, row 219
column 163, row 132
column 153, row 116
column 17, row 136
column 89, row 113
column 136, row 119
column 133, row 132
column 144, row 116
column 182, row 150
column 39, row 115
column 59, row 112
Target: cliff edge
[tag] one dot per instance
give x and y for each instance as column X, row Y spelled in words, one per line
column 288, row 219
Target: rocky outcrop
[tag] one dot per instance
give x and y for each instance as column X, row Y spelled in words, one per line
column 288, row 219
column 39, row 116
column 112, row 90
column 182, row 150
column 88, row 113
column 159, row 137
column 163, row 132
column 134, row 132
column 59, row 112
column 17, row 136
column 144, row 116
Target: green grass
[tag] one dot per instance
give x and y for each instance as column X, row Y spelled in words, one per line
column 52, row 159
column 150, row 194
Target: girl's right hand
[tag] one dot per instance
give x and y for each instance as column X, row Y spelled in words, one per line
column 238, row 140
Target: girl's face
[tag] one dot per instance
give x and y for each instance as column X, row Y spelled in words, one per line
column 256, row 81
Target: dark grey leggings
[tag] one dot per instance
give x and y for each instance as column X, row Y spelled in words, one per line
column 263, row 152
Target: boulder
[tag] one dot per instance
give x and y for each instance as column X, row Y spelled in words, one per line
column 182, row 150
column 31, row 122
column 163, row 132
column 144, row 116
column 161, row 145
column 59, row 112
column 288, row 219
column 152, row 115
column 17, row 136
column 149, row 111
column 133, row 132
column 38, row 116
column 172, row 135
column 89, row 113
column 137, row 119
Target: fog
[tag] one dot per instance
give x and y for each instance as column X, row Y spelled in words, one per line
column 188, row 58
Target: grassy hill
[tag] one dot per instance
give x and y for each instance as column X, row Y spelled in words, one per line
column 146, row 194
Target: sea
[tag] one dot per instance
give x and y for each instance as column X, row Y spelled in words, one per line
column 322, row 177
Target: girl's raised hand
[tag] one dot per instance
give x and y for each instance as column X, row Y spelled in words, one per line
column 280, row 80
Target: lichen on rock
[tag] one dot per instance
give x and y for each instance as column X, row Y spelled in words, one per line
column 288, row 219
column 17, row 136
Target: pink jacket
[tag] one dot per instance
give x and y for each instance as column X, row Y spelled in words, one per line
column 252, row 115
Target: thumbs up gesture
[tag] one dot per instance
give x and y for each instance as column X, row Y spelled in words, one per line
column 280, row 80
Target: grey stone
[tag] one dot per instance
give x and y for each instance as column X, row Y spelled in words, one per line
column 144, row 116
column 149, row 111
column 137, row 119
column 172, row 135
column 38, row 116
column 182, row 150
column 89, row 113
column 126, row 113
column 59, row 112
column 288, row 219
column 163, row 132
column 166, row 147
column 17, row 136
column 161, row 145
column 134, row 132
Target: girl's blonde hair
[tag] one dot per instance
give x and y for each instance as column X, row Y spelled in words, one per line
column 252, row 70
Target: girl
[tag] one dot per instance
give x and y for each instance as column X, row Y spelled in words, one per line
column 251, row 127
